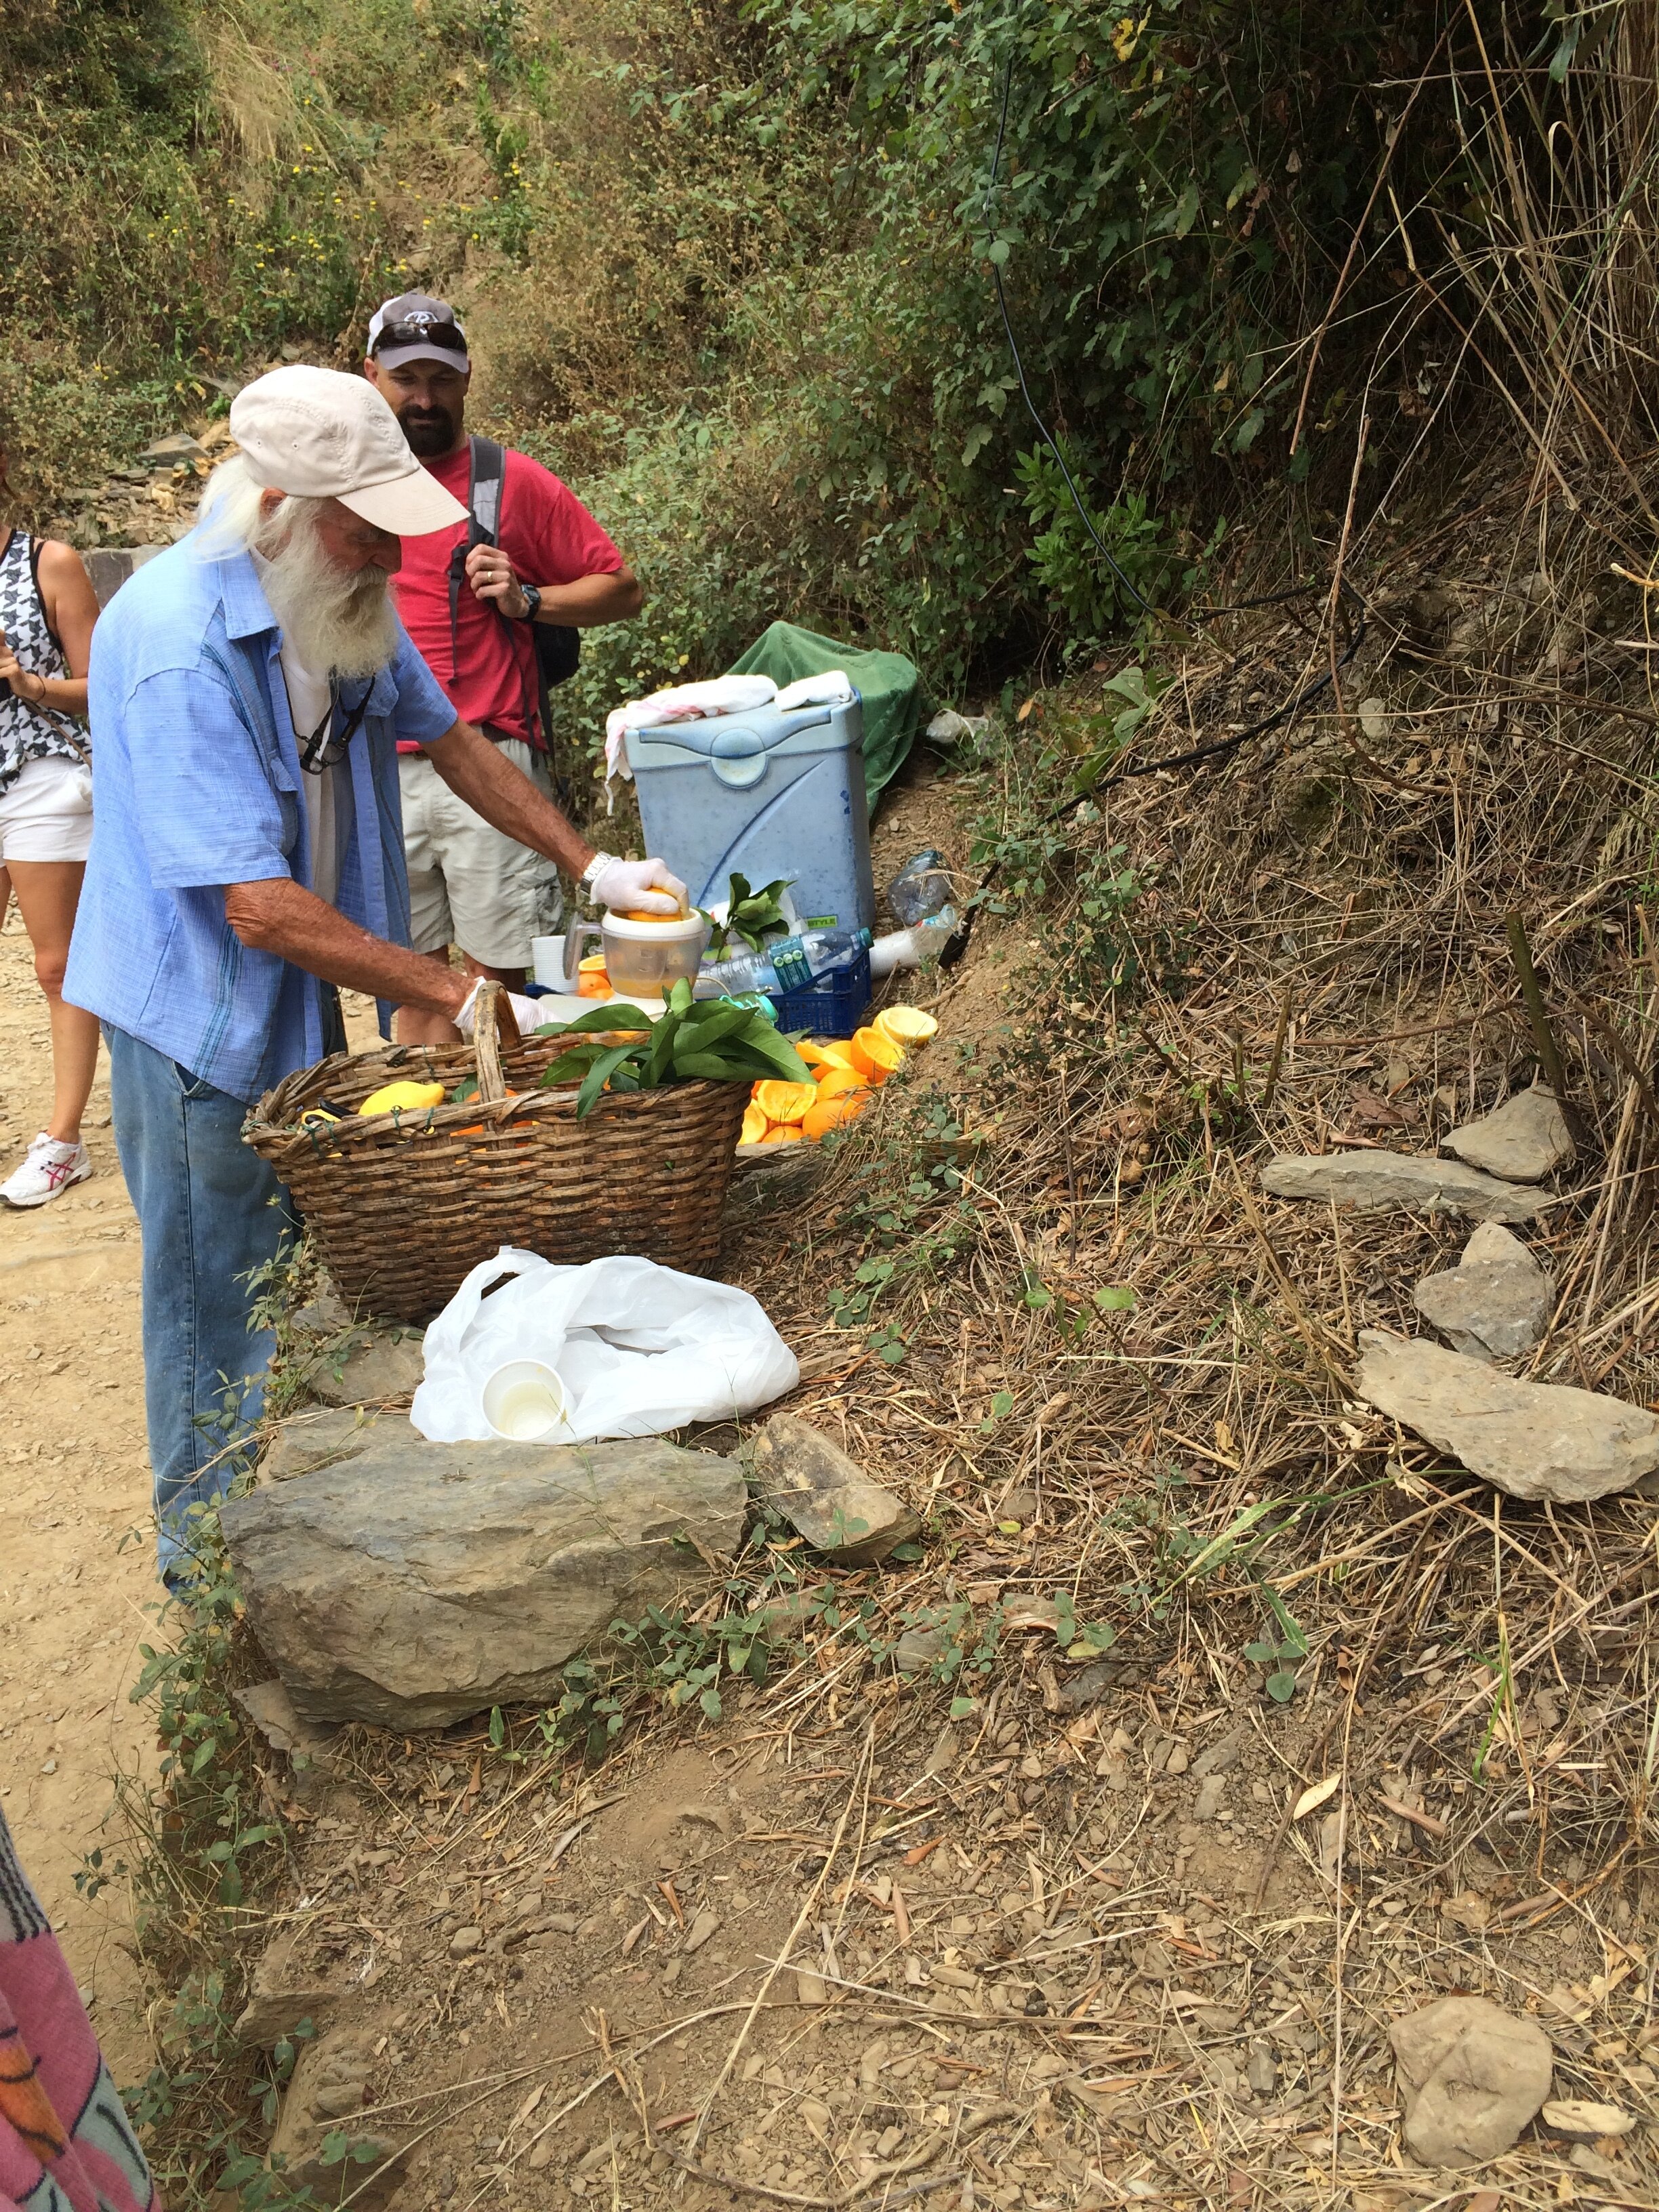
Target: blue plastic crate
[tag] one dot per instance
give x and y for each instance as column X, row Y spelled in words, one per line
column 833, row 1006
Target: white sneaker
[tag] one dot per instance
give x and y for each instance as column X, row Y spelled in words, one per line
column 49, row 1169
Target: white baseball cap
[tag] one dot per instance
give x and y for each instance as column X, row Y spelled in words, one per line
column 318, row 433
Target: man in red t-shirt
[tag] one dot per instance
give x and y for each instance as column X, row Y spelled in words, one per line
column 468, row 884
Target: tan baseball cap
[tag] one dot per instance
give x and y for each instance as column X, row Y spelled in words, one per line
column 318, row 433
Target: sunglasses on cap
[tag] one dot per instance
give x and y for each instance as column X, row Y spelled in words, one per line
column 445, row 336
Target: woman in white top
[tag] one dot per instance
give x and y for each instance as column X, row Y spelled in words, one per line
column 47, row 609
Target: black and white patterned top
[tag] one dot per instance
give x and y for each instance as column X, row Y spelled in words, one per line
column 29, row 732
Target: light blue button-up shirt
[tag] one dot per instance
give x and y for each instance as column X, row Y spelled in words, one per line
column 195, row 786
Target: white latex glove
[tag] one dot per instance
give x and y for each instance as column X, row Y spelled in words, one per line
column 525, row 1011
column 638, row 886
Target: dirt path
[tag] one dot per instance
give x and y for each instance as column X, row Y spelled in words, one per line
column 77, row 1580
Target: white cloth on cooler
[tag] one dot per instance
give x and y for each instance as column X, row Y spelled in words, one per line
column 680, row 702
column 833, row 688
column 719, row 695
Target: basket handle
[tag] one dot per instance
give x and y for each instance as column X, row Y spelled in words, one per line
column 493, row 1026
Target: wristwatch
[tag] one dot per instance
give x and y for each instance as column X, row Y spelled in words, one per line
column 533, row 602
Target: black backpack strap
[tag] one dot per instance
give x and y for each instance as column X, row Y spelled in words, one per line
column 486, row 475
column 485, row 462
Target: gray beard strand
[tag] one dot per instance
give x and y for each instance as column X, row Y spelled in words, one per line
column 338, row 625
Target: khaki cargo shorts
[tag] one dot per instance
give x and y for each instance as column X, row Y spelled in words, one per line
column 468, row 884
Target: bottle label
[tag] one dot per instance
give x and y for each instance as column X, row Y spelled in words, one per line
column 789, row 963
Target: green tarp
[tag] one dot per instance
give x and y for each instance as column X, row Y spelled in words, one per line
column 886, row 681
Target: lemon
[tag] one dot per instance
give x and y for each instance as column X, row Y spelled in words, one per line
column 403, row 1098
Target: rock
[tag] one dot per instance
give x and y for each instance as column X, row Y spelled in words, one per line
column 918, row 1648
column 280, row 2001
column 464, row 1942
column 1020, row 1504
column 1523, row 1140
column 1087, row 1686
column 325, row 1316
column 178, row 446
column 1261, row 2070
column 1408, row 1181
column 368, row 1367
column 416, row 1583
column 314, row 1440
column 1575, row 2115
column 1211, row 1791
column 306, row 1746
column 1219, row 1757
column 109, row 566
column 1471, row 2076
column 1496, row 1303
column 1531, row 1439
column 827, row 1496
column 331, row 2079
column 706, row 1926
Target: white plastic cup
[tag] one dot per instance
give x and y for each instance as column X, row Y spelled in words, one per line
column 547, row 962
column 525, row 1401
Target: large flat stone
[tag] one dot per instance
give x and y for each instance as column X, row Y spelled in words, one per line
column 1407, row 1181
column 1524, row 1140
column 827, row 1496
column 316, row 1438
column 1496, row 1303
column 418, row 1583
column 1531, row 1439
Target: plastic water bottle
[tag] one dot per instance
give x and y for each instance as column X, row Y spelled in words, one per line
column 909, row 948
column 787, row 964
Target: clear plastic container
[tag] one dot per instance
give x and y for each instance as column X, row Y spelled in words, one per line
column 642, row 959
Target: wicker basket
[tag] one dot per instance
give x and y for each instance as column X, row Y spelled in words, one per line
column 403, row 1206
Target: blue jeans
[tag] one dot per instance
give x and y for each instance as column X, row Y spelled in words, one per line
column 211, row 1212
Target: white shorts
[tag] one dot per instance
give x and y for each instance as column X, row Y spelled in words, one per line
column 468, row 884
column 46, row 811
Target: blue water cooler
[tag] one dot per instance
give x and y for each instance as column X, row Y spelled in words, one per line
column 761, row 794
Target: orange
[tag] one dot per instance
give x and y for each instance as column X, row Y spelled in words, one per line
column 906, row 1025
column 626, row 914
column 830, row 1113
column 837, row 1081
column 823, row 1053
column 784, row 1102
column 784, row 1133
column 754, row 1126
column 875, row 1055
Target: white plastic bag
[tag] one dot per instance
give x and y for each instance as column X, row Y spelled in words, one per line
column 638, row 1348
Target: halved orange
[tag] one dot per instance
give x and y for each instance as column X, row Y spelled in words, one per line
column 823, row 1053
column 906, row 1025
column 876, row 1056
column 783, row 1132
column 784, row 1102
column 754, row 1125
column 830, row 1113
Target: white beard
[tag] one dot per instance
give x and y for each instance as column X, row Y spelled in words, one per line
column 337, row 621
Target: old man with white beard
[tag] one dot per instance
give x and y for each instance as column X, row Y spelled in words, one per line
column 249, row 689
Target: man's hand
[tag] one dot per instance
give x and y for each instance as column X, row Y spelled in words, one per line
column 490, row 574
column 525, row 1012
column 639, row 887
column 584, row 605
